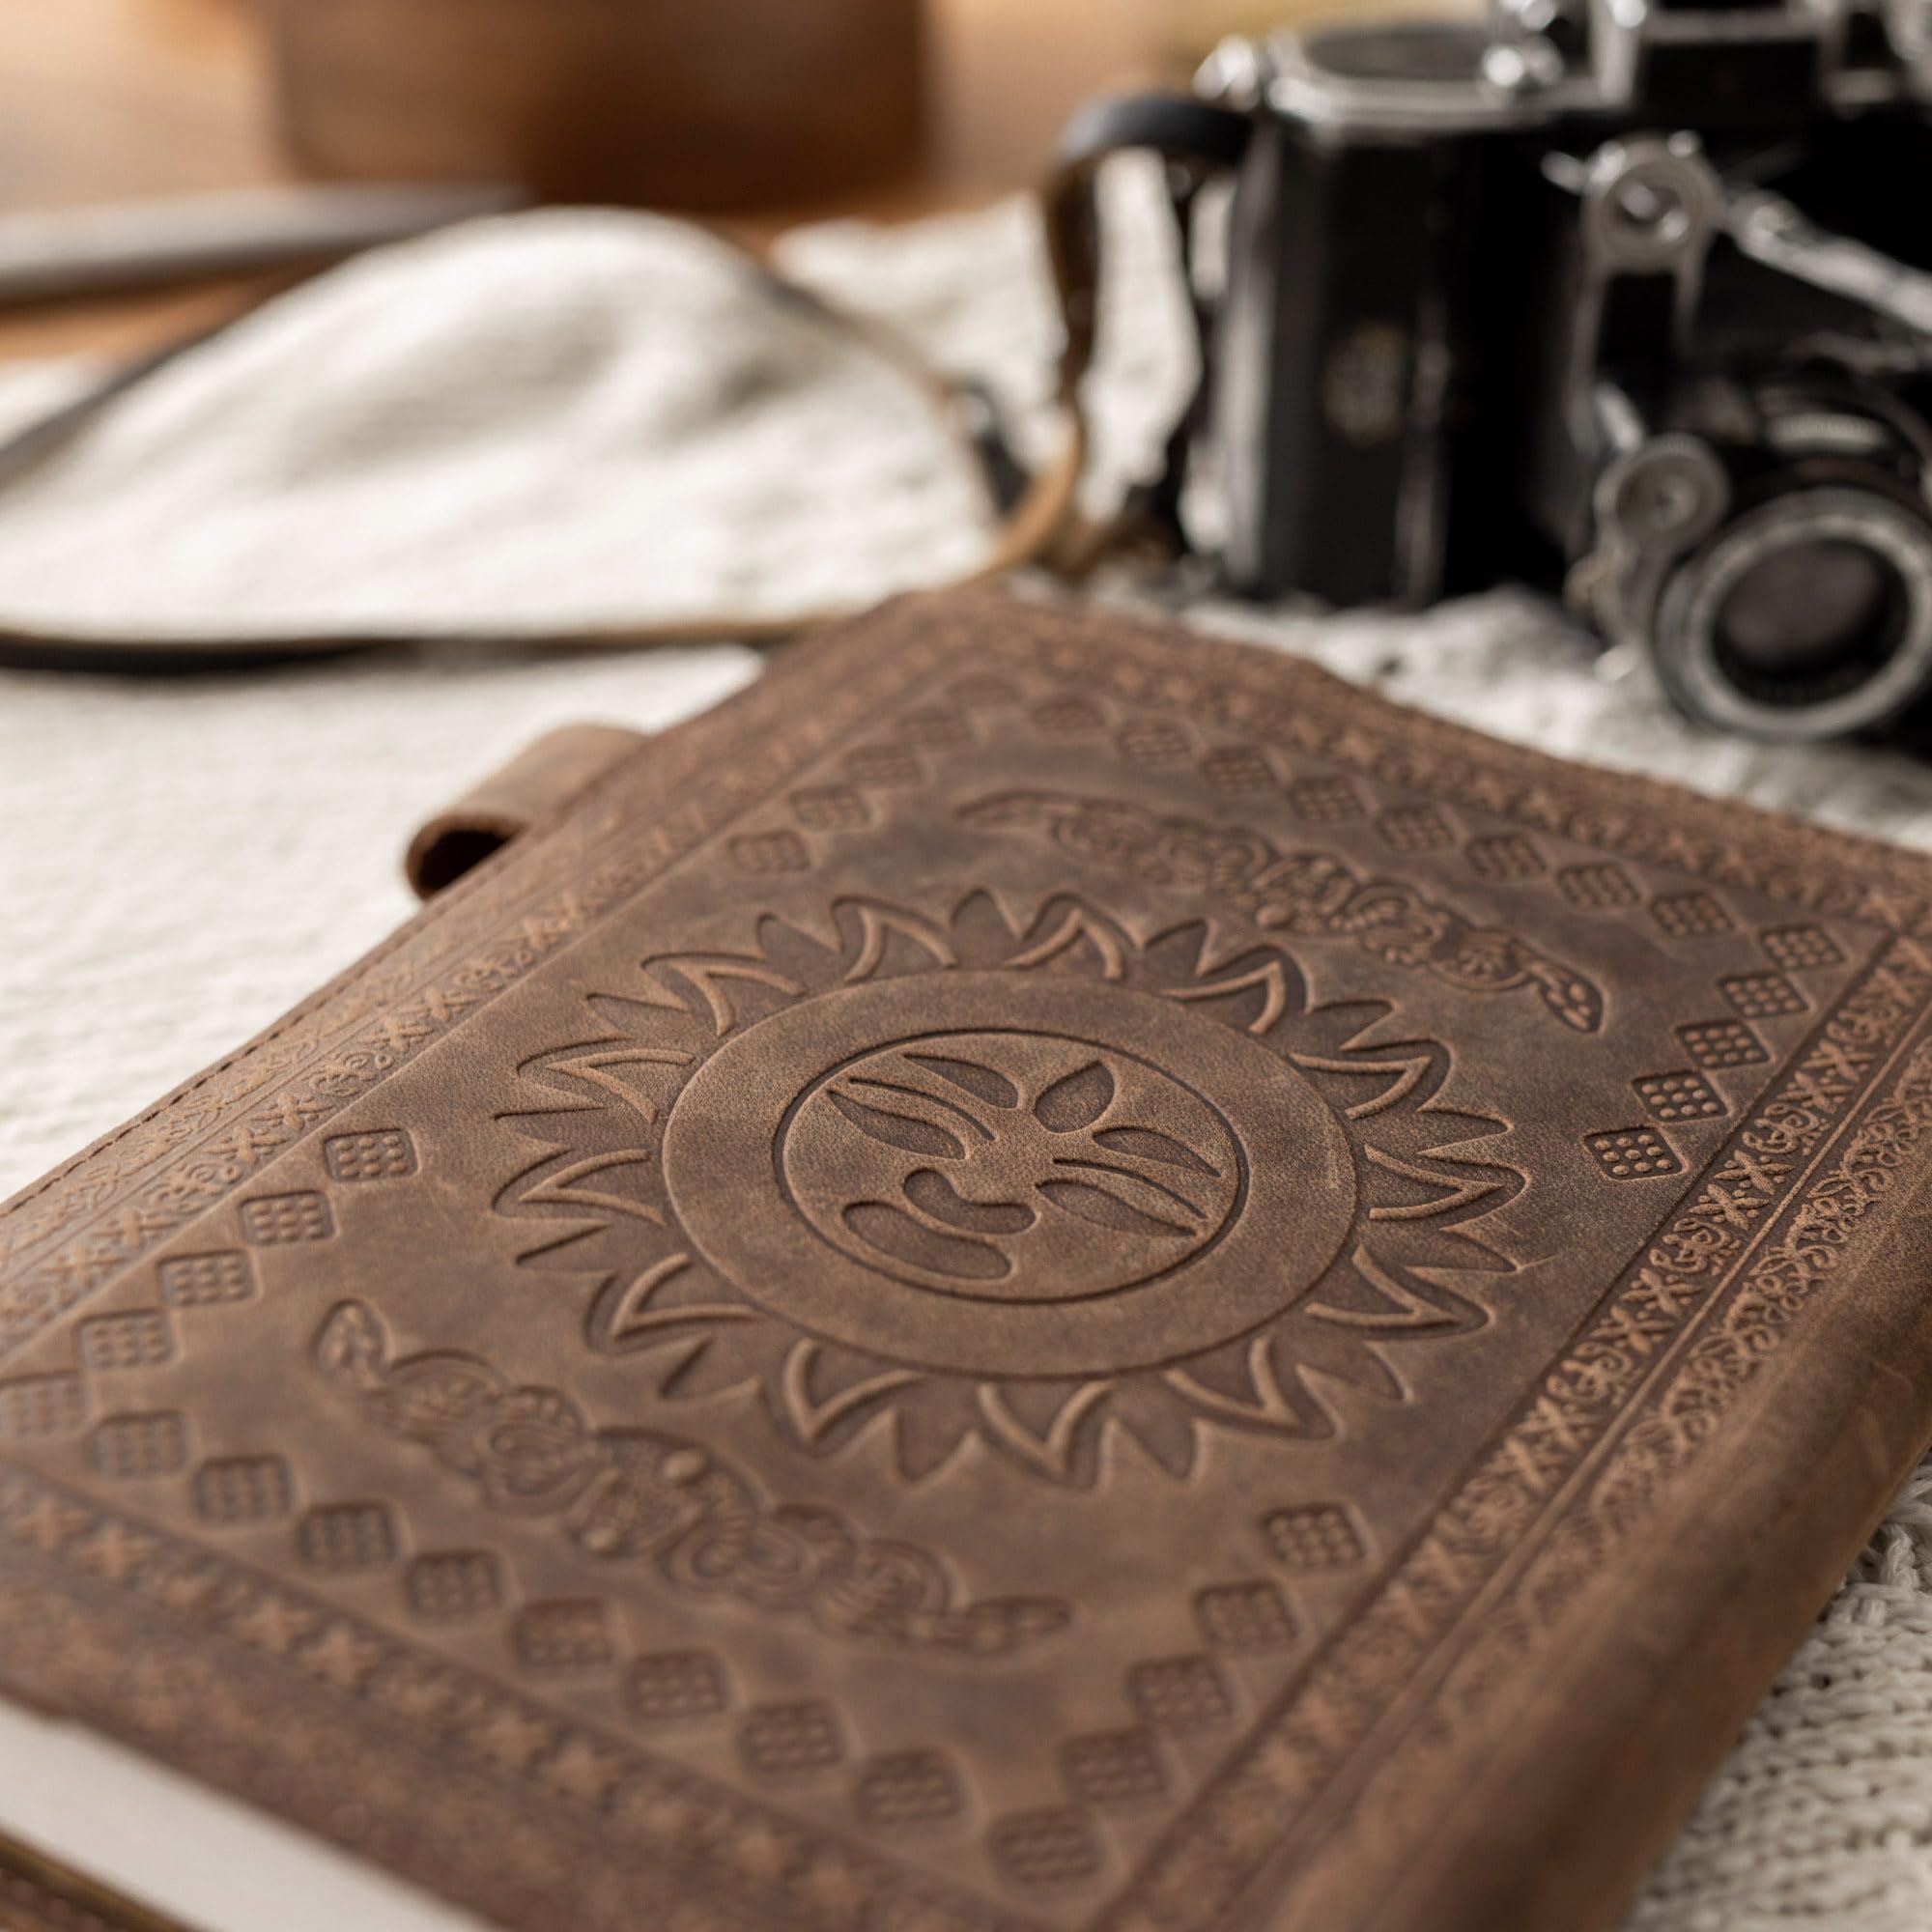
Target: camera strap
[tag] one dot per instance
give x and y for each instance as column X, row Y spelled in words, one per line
column 1036, row 517
column 1196, row 141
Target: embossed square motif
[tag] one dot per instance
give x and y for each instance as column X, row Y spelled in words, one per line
column 937, row 729
column 885, row 765
column 139, row 1338
column 1245, row 1616
column 1113, row 1768
column 1802, row 948
column 278, row 1220
column 1040, row 1851
column 1715, row 1044
column 385, row 1154
column 1678, row 1097
column 790, row 1739
column 1505, row 858
column 1325, row 801
column 1763, row 996
column 346, row 1536
column 1239, row 771
column 1180, row 1694
column 766, row 852
column 563, row 1636
column 447, row 1584
column 908, row 1789
column 203, row 1280
column 1313, row 1536
column 33, row 1406
column 675, row 1686
column 242, row 1489
column 132, row 1447
column 1692, row 916
column 1601, row 888
column 831, row 808
column 1634, row 1154
column 1415, row 828
column 1153, row 742
column 1068, row 717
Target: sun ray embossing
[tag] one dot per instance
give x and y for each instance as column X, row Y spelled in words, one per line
column 993, row 1215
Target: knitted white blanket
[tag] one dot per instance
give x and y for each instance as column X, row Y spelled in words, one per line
column 576, row 416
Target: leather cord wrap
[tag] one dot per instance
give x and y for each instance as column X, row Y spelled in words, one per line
column 1037, row 514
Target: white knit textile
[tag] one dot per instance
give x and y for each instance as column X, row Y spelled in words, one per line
column 568, row 417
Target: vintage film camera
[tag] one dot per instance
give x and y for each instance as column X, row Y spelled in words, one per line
column 1622, row 298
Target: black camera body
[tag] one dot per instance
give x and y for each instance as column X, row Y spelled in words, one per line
column 1627, row 299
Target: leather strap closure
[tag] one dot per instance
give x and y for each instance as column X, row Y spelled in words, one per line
column 543, row 779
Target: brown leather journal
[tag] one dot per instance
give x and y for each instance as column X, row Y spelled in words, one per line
column 1046, row 1274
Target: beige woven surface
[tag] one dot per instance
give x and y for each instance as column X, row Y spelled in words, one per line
column 590, row 417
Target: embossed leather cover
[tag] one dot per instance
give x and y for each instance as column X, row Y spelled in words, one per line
column 1043, row 1275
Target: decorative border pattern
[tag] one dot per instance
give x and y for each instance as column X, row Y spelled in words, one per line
column 1767, row 1171
column 1719, row 841
column 354, row 1773
column 241, row 1678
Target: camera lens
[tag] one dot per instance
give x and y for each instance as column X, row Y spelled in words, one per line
column 1821, row 614
column 1806, row 617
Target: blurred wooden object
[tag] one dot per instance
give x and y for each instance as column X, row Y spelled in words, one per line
column 101, row 100
column 1186, row 31
column 110, row 99
column 684, row 103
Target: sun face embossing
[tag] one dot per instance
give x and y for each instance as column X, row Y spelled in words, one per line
column 1010, row 1165
column 1037, row 1182
column 870, row 1198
